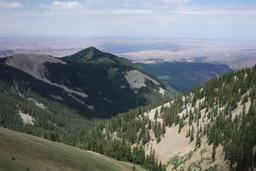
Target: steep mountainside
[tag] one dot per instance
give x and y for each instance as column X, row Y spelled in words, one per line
column 211, row 128
column 185, row 76
column 36, row 107
column 94, row 83
column 19, row 152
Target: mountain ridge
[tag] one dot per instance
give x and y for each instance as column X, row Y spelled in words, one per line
column 94, row 55
column 92, row 88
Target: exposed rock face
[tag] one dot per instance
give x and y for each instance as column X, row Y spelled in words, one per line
column 136, row 79
column 26, row 118
column 32, row 64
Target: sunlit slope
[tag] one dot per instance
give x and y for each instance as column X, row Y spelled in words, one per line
column 22, row 152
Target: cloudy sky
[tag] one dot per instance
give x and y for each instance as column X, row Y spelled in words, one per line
column 220, row 19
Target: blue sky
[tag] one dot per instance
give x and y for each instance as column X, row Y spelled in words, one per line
column 218, row 19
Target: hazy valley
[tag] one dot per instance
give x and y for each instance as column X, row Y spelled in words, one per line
column 236, row 54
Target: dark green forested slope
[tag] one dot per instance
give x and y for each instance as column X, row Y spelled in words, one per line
column 53, row 120
column 236, row 133
column 185, row 76
column 95, row 90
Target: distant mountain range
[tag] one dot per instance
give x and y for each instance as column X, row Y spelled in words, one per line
column 185, row 76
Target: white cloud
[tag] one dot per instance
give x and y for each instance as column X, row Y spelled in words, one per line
column 65, row 5
column 168, row 2
column 131, row 12
column 11, row 5
column 212, row 11
column 165, row 5
column 131, row 4
column 108, row 4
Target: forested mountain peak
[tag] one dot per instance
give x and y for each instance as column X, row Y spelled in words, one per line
column 94, row 55
column 90, row 53
column 94, row 84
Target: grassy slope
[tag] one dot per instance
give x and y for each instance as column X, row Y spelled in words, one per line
column 25, row 152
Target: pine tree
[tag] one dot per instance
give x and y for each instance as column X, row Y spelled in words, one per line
column 198, row 140
column 156, row 114
column 213, row 152
column 192, row 134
